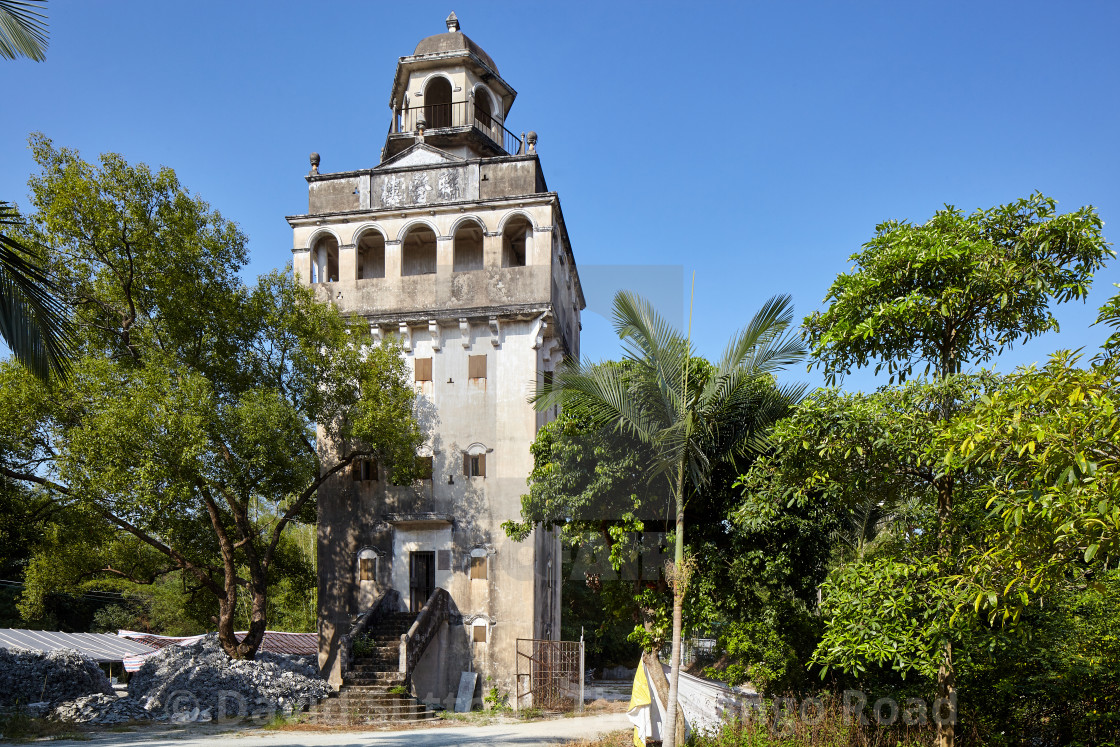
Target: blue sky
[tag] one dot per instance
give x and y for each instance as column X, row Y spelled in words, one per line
column 757, row 144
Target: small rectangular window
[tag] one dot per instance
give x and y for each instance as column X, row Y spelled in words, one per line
column 443, row 560
column 476, row 368
column 474, row 465
column 367, row 571
column 424, row 468
column 423, row 369
column 479, row 633
column 364, row 470
column 478, row 568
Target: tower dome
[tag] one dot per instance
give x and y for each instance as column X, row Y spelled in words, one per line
column 452, row 41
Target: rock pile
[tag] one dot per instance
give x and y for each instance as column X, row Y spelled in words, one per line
column 55, row 677
column 101, row 709
column 202, row 676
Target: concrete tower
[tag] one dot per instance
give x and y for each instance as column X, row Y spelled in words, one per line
column 454, row 243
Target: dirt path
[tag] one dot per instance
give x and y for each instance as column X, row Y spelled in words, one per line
column 554, row 731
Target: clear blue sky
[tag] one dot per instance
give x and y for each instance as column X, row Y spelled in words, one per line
column 755, row 143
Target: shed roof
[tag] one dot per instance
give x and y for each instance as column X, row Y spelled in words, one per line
column 101, row 647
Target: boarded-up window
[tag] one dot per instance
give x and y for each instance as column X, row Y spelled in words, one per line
column 424, row 468
column 443, row 560
column 476, row 368
column 423, row 369
column 479, row 633
column 474, row 465
column 478, row 568
column 366, row 567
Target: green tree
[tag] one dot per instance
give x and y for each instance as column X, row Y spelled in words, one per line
column 948, row 293
column 1051, row 436
column 690, row 423
column 203, row 414
column 33, row 323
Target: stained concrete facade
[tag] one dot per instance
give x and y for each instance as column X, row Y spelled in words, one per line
column 454, row 244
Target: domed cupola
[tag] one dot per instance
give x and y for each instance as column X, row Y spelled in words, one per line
column 449, row 94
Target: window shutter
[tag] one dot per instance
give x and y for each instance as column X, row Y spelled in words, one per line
column 366, row 569
column 482, row 465
column 476, row 368
column 479, row 633
column 372, row 463
column 478, row 568
column 423, row 369
column 466, row 464
column 356, row 470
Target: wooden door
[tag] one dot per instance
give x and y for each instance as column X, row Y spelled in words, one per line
column 421, row 578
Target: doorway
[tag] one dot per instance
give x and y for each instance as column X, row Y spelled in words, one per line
column 421, row 578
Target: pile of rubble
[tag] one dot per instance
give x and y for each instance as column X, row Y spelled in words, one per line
column 100, row 709
column 201, row 676
column 34, row 677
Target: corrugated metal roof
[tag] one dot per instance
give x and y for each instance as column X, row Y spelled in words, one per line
column 98, row 646
column 275, row 641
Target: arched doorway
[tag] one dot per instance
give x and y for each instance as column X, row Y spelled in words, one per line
column 437, row 103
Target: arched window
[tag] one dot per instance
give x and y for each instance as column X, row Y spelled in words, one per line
column 483, row 109
column 418, row 252
column 517, row 237
column 324, row 260
column 437, row 103
column 468, row 247
column 371, row 255
column 368, row 562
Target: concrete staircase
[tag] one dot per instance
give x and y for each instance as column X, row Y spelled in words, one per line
column 365, row 696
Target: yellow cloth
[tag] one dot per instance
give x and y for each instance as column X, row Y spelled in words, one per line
column 639, row 698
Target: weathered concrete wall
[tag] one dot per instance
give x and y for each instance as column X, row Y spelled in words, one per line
column 521, row 319
column 520, row 596
column 416, row 178
column 334, row 195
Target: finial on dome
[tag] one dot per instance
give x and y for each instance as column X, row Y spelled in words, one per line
column 452, row 22
column 314, row 163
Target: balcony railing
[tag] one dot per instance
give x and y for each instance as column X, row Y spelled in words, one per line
column 457, row 114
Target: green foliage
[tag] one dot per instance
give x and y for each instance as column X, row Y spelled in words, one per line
column 188, row 430
column 1051, row 436
column 1058, row 682
column 33, row 322
column 957, row 288
column 363, row 646
column 496, row 700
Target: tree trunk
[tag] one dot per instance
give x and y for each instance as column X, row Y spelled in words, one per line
column 227, row 608
column 247, row 648
column 946, row 673
column 669, row 727
column 945, row 710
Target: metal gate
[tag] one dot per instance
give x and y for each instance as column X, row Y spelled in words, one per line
column 549, row 674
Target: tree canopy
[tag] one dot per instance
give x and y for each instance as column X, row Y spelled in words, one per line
column 193, row 419
column 956, row 289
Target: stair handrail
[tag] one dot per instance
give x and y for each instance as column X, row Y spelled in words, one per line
column 386, row 602
column 434, row 613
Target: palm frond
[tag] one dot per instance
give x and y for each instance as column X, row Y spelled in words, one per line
column 33, row 322
column 23, row 29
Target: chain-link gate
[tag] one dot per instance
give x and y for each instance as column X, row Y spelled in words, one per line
column 549, row 674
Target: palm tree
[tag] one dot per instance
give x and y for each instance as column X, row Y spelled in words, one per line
column 691, row 419
column 33, row 322
column 23, row 29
